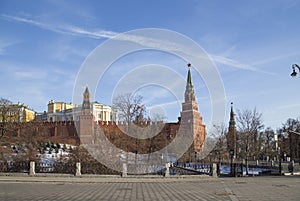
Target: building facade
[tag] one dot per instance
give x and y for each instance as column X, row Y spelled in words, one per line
column 61, row 111
column 16, row 113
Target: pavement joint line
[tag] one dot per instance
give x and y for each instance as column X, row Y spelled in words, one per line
column 231, row 195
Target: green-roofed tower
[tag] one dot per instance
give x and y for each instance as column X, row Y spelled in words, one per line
column 191, row 120
column 189, row 90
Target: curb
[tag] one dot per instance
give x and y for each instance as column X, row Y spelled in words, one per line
column 59, row 178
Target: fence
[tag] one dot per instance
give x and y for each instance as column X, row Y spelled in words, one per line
column 222, row 169
column 191, row 168
column 57, row 167
column 16, row 166
column 258, row 168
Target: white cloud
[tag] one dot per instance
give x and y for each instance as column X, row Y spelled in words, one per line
column 92, row 34
column 275, row 58
column 4, row 45
column 21, row 72
column 236, row 64
column 145, row 41
column 63, row 29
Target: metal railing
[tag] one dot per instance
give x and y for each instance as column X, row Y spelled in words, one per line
column 96, row 168
column 57, row 167
column 15, row 166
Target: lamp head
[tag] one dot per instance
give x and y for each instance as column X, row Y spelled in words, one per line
column 294, row 73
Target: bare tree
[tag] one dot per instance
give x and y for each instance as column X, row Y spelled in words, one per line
column 292, row 128
column 130, row 108
column 266, row 142
column 5, row 117
column 219, row 135
column 249, row 124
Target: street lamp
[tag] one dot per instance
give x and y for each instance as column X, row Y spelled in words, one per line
column 195, row 160
column 232, row 171
column 161, row 157
column 294, row 73
column 277, row 148
column 219, row 161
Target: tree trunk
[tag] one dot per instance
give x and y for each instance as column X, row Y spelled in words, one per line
column 247, row 166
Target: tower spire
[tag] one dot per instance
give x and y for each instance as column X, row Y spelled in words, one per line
column 232, row 119
column 189, row 77
column 189, row 89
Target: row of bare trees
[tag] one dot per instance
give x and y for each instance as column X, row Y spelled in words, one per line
column 255, row 142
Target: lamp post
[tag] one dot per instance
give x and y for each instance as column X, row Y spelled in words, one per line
column 195, row 160
column 219, row 162
column 294, row 73
column 277, row 148
column 231, row 162
column 161, row 157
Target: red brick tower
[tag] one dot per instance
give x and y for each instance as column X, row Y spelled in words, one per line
column 86, row 120
column 191, row 120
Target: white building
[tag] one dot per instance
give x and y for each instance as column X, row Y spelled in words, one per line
column 101, row 113
column 61, row 111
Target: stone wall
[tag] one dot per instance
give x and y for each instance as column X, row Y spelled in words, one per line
column 66, row 132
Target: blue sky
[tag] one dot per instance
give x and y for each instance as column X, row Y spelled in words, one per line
column 252, row 43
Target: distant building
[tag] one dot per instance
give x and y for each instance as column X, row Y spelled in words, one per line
column 61, row 111
column 41, row 116
column 17, row 113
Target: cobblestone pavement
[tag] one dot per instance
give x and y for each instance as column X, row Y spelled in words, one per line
column 148, row 189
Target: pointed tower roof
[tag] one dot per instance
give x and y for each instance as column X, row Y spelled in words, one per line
column 189, row 77
column 86, row 99
column 189, row 89
column 86, row 90
column 232, row 120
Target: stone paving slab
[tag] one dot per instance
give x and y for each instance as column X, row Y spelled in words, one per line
column 146, row 189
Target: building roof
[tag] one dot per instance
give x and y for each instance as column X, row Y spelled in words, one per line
column 189, row 77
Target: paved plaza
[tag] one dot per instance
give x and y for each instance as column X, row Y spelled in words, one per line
column 148, row 189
